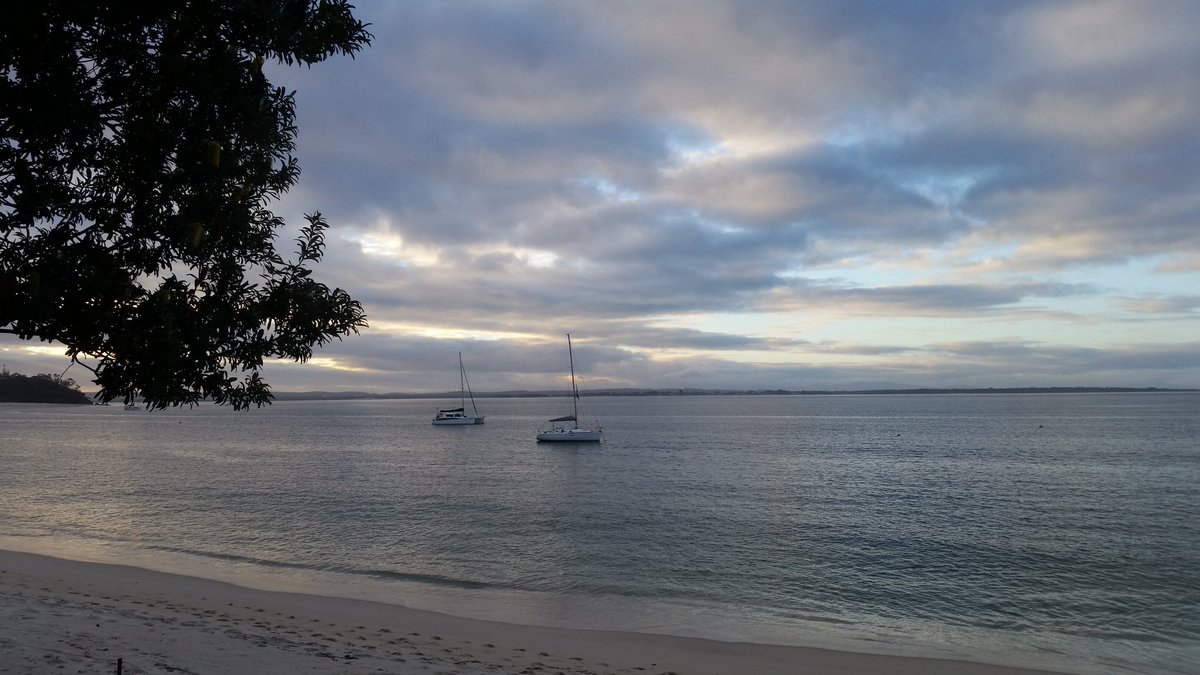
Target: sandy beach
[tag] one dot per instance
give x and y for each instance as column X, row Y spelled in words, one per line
column 77, row 617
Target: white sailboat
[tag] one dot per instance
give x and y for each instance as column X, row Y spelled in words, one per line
column 458, row 416
column 567, row 428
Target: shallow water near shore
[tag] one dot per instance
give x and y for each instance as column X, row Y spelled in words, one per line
column 1053, row 530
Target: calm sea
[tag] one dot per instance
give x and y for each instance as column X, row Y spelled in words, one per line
column 1057, row 530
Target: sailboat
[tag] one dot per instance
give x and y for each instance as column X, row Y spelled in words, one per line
column 459, row 416
column 567, row 428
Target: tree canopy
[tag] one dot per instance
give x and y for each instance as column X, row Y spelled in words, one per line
column 140, row 147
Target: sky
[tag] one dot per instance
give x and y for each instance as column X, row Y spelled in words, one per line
column 748, row 194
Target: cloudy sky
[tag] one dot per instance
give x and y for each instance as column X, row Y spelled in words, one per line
column 752, row 194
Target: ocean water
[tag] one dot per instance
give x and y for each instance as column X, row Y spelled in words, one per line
column 1052, row 530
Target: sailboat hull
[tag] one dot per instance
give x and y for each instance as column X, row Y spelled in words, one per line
column 570, row 435
column 456, row 417
column 458, row 421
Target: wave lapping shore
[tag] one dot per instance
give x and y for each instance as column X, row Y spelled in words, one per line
column 79, row 617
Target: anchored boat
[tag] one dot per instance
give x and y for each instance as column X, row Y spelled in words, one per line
column 567, row 428
column 459, row 416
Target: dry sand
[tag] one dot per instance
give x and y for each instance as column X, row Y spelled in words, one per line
column 59, row 616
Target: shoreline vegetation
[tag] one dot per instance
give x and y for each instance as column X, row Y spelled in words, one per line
column 84, row 616
column 43, row 388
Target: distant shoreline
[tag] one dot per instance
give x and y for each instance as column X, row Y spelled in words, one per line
column 17, row 388
column 592, row 393
column 334, row 396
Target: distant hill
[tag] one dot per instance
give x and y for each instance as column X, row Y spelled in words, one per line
column 17, row 388
column 347, row 395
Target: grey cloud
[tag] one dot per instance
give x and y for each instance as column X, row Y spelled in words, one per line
column 1061, row 362
column 481, row 134
column 443, row 153
column 1179, row 304
column 922, row 300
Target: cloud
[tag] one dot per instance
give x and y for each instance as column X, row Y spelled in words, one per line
column 765, row 193
column 1162, row 306
column 542, row 166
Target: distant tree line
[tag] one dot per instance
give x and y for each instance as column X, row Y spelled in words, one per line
column 41, row 388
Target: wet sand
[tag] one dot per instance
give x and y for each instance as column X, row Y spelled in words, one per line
column 60, row 616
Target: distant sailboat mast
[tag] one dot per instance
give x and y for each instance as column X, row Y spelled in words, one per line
column 574, row 389
column 464, row 383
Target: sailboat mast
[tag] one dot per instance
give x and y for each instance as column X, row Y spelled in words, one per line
column 574, row 389
column 462, row 374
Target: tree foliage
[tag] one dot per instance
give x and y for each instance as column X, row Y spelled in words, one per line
column 140, row 147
